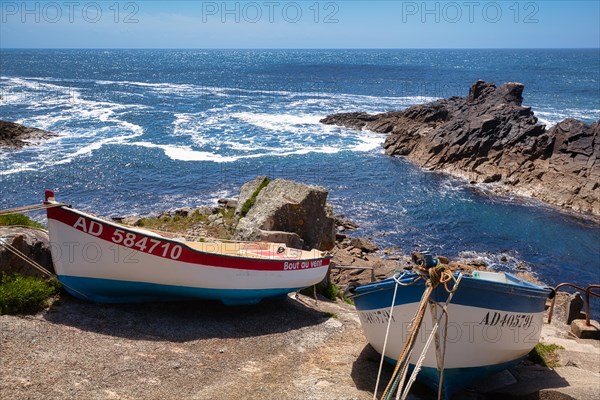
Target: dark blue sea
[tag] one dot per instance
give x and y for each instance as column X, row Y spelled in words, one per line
column 148, row 130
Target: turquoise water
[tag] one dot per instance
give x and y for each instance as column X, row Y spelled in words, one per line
column 147, row 130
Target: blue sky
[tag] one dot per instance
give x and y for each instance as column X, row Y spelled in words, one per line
column 299, row 24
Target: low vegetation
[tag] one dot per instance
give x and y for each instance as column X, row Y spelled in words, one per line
column 250, row 202
column 545, row 354
column 174, row 224
column 331, row 291
column 19, row 219
column 228, row 215
column 182, row 225
column 25, row 294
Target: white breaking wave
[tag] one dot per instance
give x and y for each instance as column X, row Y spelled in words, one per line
column 277, row 122
column 273, row 134
column 299, row 98
column 83, row 125
column 543, row 121
column 20, row 169
column 370, row 142
column 501, row 261
column 553, row 117
column 246, row 123
column 224, row 133
column 186, row 153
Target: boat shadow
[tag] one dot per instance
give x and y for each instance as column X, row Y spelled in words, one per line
column 524, row 381
column 184, row 321
column 364, row 375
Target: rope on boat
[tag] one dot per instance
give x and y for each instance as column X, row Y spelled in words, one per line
column 34, row 264
column 398, row 280
column 440, row 355
column 24, row 257
column 434, row 276
column 30, row 208
column 387, row 331
column 402, row 364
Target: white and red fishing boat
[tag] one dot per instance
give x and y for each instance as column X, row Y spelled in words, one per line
column 102, row 261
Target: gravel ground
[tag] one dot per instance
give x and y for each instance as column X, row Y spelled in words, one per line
column 292, row 348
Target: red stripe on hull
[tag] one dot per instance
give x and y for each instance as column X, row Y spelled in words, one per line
column 171, row 249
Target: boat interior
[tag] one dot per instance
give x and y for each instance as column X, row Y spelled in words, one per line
column 262, row 250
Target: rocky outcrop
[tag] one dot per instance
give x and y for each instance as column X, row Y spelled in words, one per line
column 364, row 245
column 248, row 191
column 15, row 136
column 34, row 243
column 354, row 261
column 489, row 137
column 288, row 212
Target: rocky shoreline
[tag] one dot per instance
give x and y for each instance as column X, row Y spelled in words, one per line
column 488, row 137
column 16, row 136
column 280, row 210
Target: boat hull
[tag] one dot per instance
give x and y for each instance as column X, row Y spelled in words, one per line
column 491, row 325
column 105, row 262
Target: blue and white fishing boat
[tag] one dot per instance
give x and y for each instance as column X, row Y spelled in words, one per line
column 494, row 320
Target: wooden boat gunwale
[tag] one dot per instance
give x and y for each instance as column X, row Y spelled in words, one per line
column 523, row 287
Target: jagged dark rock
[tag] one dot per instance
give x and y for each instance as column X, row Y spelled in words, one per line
column 364, row 245
column 16, row 136
column 489, row 137
column 356, row 120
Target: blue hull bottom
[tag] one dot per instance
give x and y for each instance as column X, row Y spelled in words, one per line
column 114, row 291
column 456, row 379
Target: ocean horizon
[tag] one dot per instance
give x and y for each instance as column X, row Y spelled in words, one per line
column 299, row 48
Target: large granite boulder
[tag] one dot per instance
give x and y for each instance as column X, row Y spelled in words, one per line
column 287, row 212
column 247, row 192
column 34, row 243
column 489, row 137
column 15, row 136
